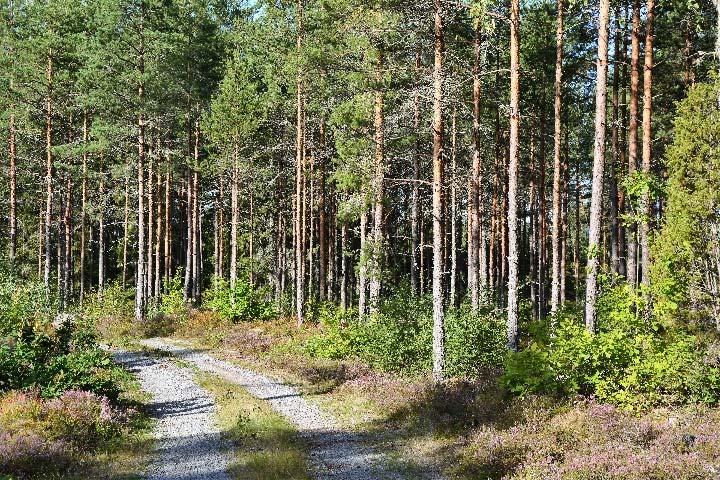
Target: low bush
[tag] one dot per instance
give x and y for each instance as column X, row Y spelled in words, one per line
column 629, row 362
column 22, row 303
column 399, row 338
column 57, row 360
column 242, row 303
column 39, row 436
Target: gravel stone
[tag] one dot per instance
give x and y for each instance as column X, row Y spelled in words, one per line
column 189, row 445
column 335, row 454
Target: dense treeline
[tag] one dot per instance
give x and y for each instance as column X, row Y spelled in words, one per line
column 343, row 151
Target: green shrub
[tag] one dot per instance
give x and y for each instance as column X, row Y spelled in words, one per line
column 172, row 302
column 399, row 338
column 54, row 361
column 630, row 362
column 242, row 303
column 23, row 302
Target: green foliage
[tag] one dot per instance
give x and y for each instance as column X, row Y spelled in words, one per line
column 172, row 302
column 239, row 304
column 55, row 361
column 22, row 302
column 399, row 338
column 630, row 362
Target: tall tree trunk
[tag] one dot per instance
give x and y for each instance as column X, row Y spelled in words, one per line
column 101, row 229
column 197, row 219
column 67, row 252
column 362, row 274
column 378, row 240
column 48, row 172
column 647, row 139
column 615, row 136
column 168, row 215
column 189, row 235
column 345, row 280
column 235, row 214
column 598, row 167
column 512, row 325
column 414, row 205
column 150, row 225
column 557, row 163
column 299, row 195
column 322, row 218
column 438, row 167
column 83, row 202
column 158, row 230
column 475, row 283
column 12, row 173
column 453, row 208
column 633, row 136
column 140, row 273
column 126, row 225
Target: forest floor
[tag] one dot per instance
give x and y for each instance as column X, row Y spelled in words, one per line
column 188, row 423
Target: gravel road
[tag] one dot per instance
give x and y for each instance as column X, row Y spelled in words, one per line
column 335, row 454
column 188, row 443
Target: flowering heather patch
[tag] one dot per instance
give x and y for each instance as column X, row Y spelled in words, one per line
column 589, row 440
column 38, row 435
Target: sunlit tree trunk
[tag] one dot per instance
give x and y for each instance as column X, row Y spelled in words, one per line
column 101, row 228
column 647, row 139
column 633, row 135
column 168, row 215
column 438, row 167
column 414, row 202
column 299, row 195
column 512, row 304
column 378, row 239
column 598, row 167
column 48, row 172
column 474, row 202
column 126, row 226
column 615, row 136
column 83, row 206
column 557, row 164
column 234, row 218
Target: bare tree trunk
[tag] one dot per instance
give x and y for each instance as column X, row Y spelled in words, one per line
column 438, row 167
column 598, row 167
column 197, row 220
column 300, row 160
column 234, row 219
column 615, row 135
column 633, row 135
column 345, row 267
column 362, row 274
column 453, row 208
column 126, row 225
column 67, row 253
column 83, row 205
column 378, row 247
column 512, row 325
column 414, row 205
column 168, row 215
column 557, row 164
column 158, row 230
column 48, row 172
column 151, row 224
column 647, row 139
column 12, row 172
column 101, row 229
column 322, row 219
column 140, row 273
column 189, row 235
column 475, row 249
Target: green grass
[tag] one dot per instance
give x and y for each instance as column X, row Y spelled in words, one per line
column 267, row 445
